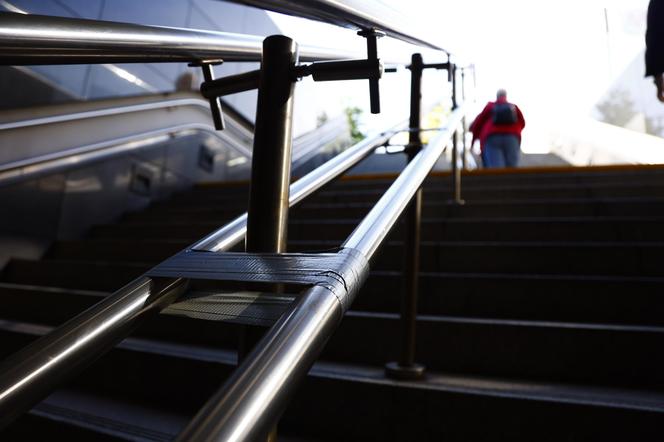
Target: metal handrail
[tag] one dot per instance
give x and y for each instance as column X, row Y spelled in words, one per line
column 37, row 39
column 115, row 110
column 32, row 373
column 254, row 397
column 354, row 14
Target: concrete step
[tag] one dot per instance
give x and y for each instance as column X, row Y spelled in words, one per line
column 84, row 275
column 443, row 406
column 38, row 426
column 574, row 207
column 541, row 208
column 564, row 298
column 534, row 177
column 443, row 193
column 589, row 354
column 459, row 229
column 125, row 250
column 579, row 258
column 45, row 304
column 589, row 258
column 592, row 354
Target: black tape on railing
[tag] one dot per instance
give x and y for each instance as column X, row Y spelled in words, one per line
column 339, row 272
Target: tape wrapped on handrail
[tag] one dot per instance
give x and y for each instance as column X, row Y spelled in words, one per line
column 342, row 272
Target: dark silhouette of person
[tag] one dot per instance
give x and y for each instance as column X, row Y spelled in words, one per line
column 498, row 127
column 655, row 45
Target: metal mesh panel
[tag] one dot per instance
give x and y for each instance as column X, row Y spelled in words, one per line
column 251, row 308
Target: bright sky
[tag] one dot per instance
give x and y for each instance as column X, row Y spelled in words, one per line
column 552, row 57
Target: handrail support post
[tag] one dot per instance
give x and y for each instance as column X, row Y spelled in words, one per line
column 267, row 216
column 270, row 168
column 456, row 172
column 406, row 368
column 464, row 148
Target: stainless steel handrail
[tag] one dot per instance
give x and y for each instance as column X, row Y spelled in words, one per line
column 78, row 156
column 32, row 373
column 36, row 39
column 254, row 397
column 354, row 14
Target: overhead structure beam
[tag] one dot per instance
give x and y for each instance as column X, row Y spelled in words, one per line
column 354, row 14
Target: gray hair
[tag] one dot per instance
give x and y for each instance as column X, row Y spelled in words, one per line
column 501, row 93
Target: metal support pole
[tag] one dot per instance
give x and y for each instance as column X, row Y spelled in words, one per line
column 464, row 152
column 405, row 367
column 372, row 36
column 215, row 102
column 270, row 169
column 456, row 172
column 267, row 217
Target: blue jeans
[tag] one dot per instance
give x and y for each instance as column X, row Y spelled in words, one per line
column 502, row 150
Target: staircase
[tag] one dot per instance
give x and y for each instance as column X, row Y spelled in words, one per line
column 541, row 316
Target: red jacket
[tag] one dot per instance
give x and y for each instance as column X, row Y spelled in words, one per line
column 483, row 125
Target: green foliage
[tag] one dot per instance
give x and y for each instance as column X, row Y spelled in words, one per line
column 353, row 114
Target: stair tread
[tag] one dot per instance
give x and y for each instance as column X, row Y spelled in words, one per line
column 512, row 322
column 496, row 386
column 456, row 220
column 131, row 243
column 124, row 419
column 637, row 399
column 478, row 202
column 45, row 289
column 391, row 316
column 106, row 415
column 499, row 202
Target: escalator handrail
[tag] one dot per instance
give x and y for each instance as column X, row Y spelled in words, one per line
column 109, row 111
column 30, row 168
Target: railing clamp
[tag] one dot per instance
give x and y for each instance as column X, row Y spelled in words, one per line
column 370, row 68
column 215, row 103
column 372, row 36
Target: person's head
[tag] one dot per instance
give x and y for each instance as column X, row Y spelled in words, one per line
column 502, row 93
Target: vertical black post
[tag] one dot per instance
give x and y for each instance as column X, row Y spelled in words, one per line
column 372, row 37
column 456, row 172
column 215, row 103
column 267, row 217
column 405, row 367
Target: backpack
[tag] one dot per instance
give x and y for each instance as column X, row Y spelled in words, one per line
column 504, row 114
